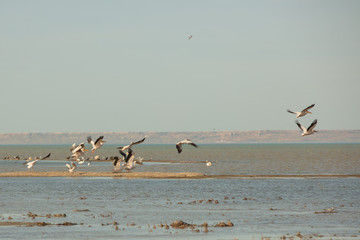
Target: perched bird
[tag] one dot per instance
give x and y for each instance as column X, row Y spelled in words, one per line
column 31, row 164
column 186, row 141
column 72, row 167
column 303, row 112
column 307, row 131
column 97, row 144
column 131, row 144
column 208, row 163
column 129, row 159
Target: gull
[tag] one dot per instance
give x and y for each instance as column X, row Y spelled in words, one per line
column 310, row 130
column 97, row 144
column 131, row 144
column 186, row 141
column 303, row 112
column 72, row 167
column 208, row 163
column 129, row 159
column 30, row 165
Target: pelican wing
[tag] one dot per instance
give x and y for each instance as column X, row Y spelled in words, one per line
column 312, row 126
column 68, row 166
column 311, row 106
column 130, row 157
column 193, row 144
column 90, row 141
column 133, row 143
column 123, row 154
column 289, row 111
column 98, row 140
column 47, row 156
column 179, row 147
column 302, row 128
column 116, row 159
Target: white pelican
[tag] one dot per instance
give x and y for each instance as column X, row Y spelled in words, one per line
column 310, row 130
column 208, row 163
column 115, row 162
column 131, row 144
column 303, row 112
column 30, row 165
column 186, row 141
column 78, row 151
column 129, row 159
column 97, row 144
column 72, row 167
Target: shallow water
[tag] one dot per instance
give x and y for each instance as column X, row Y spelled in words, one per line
column 227, row 159
column 274, row 207
column 257, row 207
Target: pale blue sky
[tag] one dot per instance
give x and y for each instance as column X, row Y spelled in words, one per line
column 75, row 66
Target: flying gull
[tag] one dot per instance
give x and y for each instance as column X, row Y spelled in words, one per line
column 186, row 141
column 131, row 144
column 303, row 112
column 97, row 144
column 310, row 130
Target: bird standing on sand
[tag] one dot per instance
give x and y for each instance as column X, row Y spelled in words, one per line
column 303, row 112
column 71, row 168
column 186, row 141
column 131, row 144
column 307, row 131
column 97, row 144
column 129, row 159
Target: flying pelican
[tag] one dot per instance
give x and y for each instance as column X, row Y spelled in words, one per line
column 186, row 141
column 30, row 165
column 78, row 151
column 303, row 112
column 131, row 144
column 129, row 159
column 115, row 162
column 310, row 130
column 72, row 167
column 97, row 144
column 208, row 163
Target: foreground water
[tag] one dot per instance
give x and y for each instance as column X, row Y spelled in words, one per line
column 270, row 207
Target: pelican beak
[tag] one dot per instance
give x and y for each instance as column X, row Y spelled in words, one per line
column 309, row 112
column 86, row 150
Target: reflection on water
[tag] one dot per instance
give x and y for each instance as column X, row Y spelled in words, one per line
column 267, row 207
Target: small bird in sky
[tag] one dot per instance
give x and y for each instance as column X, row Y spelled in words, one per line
column 307, row 131
column 190, row 37
column 303, row 112
column 185, row 141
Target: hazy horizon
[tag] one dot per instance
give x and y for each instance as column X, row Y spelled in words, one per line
column 128, row 66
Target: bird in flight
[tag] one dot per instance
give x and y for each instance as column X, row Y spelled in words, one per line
column 307, row 131
column 131, row 144
column 185, row 141
column 97, row 144
column 303, row 112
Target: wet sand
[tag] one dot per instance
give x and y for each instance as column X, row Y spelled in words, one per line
column 164, row 175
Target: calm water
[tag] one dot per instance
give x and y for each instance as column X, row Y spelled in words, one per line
column 227, row 159
column 256, row 207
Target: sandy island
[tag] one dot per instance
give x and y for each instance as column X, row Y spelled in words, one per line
column 163, row 175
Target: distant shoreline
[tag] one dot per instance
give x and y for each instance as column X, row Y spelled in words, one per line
column 168, row 175
column 211, row 137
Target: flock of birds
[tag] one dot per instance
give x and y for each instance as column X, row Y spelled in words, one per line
column 128, row 155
